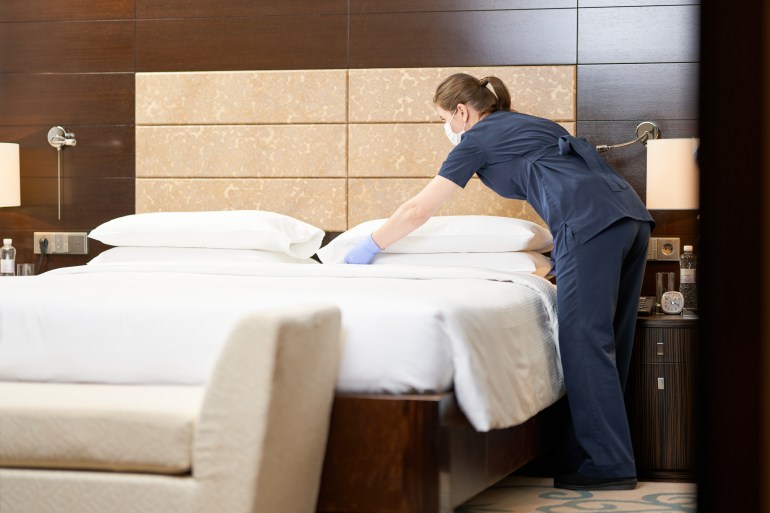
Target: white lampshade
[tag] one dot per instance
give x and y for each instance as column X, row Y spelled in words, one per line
column 672, row 174
column 10, row 191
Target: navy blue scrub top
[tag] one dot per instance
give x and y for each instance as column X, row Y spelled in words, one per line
column 565, row 180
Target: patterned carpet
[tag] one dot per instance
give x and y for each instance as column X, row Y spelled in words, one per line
column 518, row 494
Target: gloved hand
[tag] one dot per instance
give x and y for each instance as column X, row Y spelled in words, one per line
column 363, row 253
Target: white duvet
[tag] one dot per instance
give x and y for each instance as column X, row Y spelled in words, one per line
column 491, row 336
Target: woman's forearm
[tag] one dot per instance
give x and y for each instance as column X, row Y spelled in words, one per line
column 415, row 212
column 407, row 218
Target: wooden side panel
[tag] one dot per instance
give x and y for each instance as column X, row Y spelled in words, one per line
column 417, row 454
column 382, row 456
column 56, row 10
column 242, row 43
column 541, row 36
column 380, row 6
column 237, row 8
column 67, row 47
column 71, row 99
column 643, row 34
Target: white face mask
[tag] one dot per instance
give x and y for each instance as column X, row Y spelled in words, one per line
column 453, row 137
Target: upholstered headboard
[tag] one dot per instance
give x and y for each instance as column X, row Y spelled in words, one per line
column 331, row 147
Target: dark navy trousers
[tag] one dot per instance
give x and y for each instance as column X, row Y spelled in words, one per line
column 598, row 285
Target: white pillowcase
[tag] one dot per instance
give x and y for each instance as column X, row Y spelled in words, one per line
column 228, row 229
column 515, row 261
column 450, row 234
column 129, row 254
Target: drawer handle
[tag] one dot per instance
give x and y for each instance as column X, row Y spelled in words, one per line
column 661, row 384
column 659, row 347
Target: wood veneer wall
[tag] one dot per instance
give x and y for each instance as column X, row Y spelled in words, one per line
column 73, row 65
column 68, row 64
column 638, row 61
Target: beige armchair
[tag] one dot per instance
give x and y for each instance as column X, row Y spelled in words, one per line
column 252, row 440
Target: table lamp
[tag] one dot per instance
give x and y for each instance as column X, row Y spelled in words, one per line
column 10, row 190
column 672, row 174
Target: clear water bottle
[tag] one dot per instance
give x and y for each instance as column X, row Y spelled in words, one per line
column 7, row 259
column 687, row 284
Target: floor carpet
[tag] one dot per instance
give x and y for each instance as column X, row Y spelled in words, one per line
column 518, row 494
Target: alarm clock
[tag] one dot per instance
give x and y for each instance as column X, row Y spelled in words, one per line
column 672, row 302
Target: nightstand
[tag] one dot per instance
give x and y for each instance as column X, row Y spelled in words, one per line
column 660, row 396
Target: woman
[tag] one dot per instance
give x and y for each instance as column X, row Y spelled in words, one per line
column 601, row 229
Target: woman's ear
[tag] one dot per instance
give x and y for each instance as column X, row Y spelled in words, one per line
column 462, row 110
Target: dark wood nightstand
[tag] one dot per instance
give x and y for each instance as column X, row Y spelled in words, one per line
column 660, row 396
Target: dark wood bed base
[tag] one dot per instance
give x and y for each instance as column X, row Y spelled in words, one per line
column 417, row 454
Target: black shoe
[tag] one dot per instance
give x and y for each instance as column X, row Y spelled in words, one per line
column 577, row 481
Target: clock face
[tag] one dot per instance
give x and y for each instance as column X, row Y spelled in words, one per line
column 672, row 302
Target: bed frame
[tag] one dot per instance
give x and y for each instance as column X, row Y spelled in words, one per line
column 418, row 454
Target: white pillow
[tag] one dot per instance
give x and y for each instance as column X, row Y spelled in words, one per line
column 228, row 229
column 450, row 234
column 130, row 254
column 512, row 261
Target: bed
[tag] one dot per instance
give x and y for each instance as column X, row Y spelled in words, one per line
column 447, row 373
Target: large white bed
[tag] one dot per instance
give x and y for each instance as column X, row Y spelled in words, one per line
column 489, row 335
column 449, row 362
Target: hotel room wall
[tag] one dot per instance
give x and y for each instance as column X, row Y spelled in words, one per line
column 638, row 61
column 68, row 64
column 234, row 35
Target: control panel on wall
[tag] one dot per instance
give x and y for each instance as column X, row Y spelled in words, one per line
column 663, row 248
column 61, row 243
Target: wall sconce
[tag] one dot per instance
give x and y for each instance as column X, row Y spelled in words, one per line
column 672, row 174
column 645, row 131
column 10, row 188
column 58, row 137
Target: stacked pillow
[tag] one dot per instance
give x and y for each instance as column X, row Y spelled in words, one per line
column 241, row 236
column 225, row 236
column 491, row 242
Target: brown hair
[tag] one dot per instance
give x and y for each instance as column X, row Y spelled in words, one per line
column 463, row 88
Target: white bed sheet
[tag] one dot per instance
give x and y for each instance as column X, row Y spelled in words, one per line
column 490, row 335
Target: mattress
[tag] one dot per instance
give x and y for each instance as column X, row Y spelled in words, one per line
column 490, row 336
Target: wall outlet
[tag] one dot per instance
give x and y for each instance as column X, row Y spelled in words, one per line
column 663, row 248
column 62, row 243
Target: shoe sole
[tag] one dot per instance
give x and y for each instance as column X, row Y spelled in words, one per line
column 628, row 484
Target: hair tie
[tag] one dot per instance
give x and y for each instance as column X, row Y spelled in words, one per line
column 484, row 82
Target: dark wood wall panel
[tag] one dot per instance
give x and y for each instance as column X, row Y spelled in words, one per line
column 630, row 91
column 101, row 151
column 467, row 38
column 633, row 3
column 222, row 8
column 638, row 34
column 390, row 6
column 57, row 10
column 67, row 47
column 58, row 99
column 265, row 42
column 85, row 204
column 85, row 201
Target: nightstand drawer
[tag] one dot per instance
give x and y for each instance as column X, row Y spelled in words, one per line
column 665, row 345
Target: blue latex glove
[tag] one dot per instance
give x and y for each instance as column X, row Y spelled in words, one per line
column 363, row 253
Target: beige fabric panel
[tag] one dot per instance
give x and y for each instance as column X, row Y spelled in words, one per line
column 240, row 151
column 109, row 427
column 378, row 198
column 275, row 139
column 241, row 97
column 406, row 95
column 318, row 201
